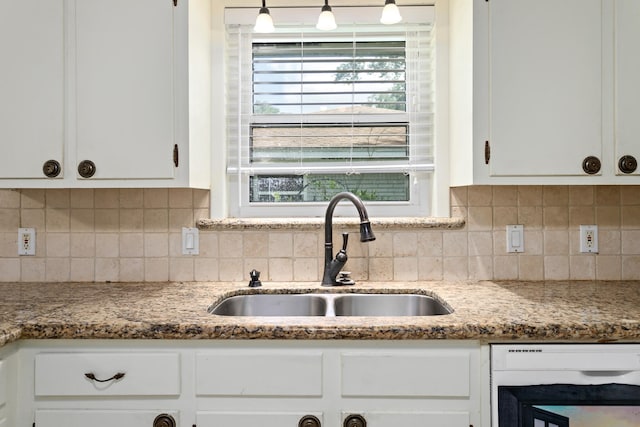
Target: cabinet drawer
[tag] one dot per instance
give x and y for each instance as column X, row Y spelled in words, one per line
column 252, row 419
column 259, row 374
column 149, row 374
column 432, row 375
column 413, row 419
column 98, row 418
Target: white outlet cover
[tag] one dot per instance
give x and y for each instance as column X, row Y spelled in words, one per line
column 27, row 241
column 589, row 239
column 190, row 241
column 515, row 238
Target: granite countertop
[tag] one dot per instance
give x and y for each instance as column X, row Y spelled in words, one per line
column 486, row 311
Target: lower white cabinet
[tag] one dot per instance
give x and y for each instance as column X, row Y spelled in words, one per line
column 8, row 378
column 268, row 383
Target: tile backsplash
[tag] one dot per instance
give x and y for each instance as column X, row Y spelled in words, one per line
column 135, row 235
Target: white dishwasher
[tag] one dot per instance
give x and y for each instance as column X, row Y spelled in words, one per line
column 561, row 385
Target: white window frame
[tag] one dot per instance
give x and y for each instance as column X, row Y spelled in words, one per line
column 438, row 180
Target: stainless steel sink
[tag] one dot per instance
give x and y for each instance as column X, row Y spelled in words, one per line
column 272, row 305
column 330, row 305
column 388, row 305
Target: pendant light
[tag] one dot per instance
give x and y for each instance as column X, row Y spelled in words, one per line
column 264, row 23
column 326, row 20
column 390, row 13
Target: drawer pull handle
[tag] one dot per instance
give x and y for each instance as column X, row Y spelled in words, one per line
column 116, row 377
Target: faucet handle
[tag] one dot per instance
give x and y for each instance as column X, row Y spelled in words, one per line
column 345, row 240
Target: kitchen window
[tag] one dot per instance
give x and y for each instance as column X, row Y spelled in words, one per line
column 313, row 113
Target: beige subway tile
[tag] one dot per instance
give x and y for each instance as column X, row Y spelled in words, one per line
column 131, row 245
column 608, row 216
column 206, row 269
column 505, row 267
column 131, row 219
column 155, row 198
column 209, row 244
column 358, row 267
column 81, row 198
column 430, row 268
column 631, row 216
column 555, row 217
column 430, row 243
column 608, row 267
column 156, row 269
column 631, row 267
column 175, row 245
column 305, row 269
column 382, row 246
column 480, row 218
column 107, row 245
column 106, row 220
column 201, row 198
column 459, row 196
column 306, row 245
column 607, row 195
column 280, row 244
column 179, row 218
column 455, row 268
column 480, row 195
column 531, row 217
column 533, row 242
column 530, row 267
column 156, row 245
column 9, row 219
column 9, row 244
column 32, row 199
column 255, row 244
column 380, row 269
column 58, row 245
column 230, row 245
column 231, row 269
column 156, row 220
column 107, row 198
column 481, row 267
column 504, row 215
column 480, row 243
column 131, row 269
column 181, row 198
column 33, row 218
column 181, row 269
column 556, row 267
column 280, row 269
column 555, row 195
column 131, row 198
column 630, row 242
column 57, row 220
column 405, row 244
column 57, row 269
column 9, row 199
column 82, row 245
column 200, row 214
column 107, row 270
column 556, row 242
column 10, row 268
column 582, row 267
column 82, row 270
column 405, row 269
column 41, row 243
column 529, row 195
column 581, row 195
column 455, row 244
column 460, row 212
column 58, row 198
column 258, row 264
column 505, row 195
column 581, row 215
column 82, row 220
column 609, row 242
column 630, row 194
column 32, row 269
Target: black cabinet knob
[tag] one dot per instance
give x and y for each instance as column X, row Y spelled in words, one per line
column 309, row 421
column 51, row 168
column 355, row 420
column 86, row 168
column 627, row 164
column 591, row 165
column 164, row 420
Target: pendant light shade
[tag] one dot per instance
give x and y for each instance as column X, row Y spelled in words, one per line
column 326, row 20
column 264, row 23
column 390, row 13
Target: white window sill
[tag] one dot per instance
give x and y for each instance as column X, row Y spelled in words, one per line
column 318, row 223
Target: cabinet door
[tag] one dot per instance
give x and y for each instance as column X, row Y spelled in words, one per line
column 627, row 69
column 98, row 418
column 545, row 86
column 413, row 419
column 124, row 89
column 31, row 86
column 251, row 419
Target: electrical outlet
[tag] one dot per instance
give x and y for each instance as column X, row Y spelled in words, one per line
column 26, row 241
column 589, row 238
column 515, row 238
column 190, row 241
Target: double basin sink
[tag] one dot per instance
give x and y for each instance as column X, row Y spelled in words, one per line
column 330, row 305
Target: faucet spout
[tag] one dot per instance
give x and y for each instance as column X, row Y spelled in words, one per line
column 333, row 266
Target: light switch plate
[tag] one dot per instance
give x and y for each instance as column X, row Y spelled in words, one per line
column 190, row 241
column 515, row 238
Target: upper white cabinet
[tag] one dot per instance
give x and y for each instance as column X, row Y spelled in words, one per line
column 543, row 92
column 32, row 86
column 127, row 102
